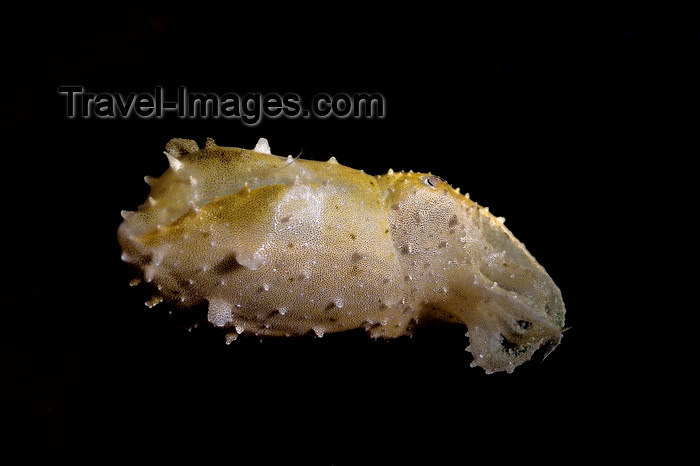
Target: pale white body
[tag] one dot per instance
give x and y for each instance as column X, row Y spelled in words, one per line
column 280, row 246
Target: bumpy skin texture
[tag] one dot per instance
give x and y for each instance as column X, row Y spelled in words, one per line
column 281, row 246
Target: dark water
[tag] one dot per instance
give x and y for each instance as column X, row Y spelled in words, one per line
column 574, row 125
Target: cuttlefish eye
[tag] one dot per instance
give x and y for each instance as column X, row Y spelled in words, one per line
column 432, row 180
column 280, row 246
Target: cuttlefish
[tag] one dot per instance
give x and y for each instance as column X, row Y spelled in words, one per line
column 280, row 246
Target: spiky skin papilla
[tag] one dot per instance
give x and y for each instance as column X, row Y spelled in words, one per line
column 281, row 247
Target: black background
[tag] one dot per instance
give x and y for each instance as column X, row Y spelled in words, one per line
column 576, row 125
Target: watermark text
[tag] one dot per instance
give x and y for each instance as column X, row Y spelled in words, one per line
column 250, row 108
